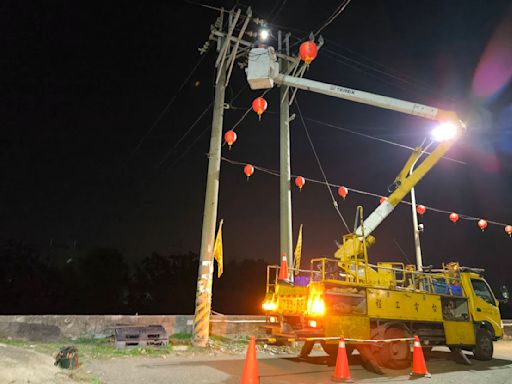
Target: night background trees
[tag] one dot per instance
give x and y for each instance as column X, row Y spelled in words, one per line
column 64, row 280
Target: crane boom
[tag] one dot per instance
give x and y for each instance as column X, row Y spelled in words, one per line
column 263, row 73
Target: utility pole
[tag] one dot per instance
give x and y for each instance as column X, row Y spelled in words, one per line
column 205, row 274
column 416, row 229
column 225, row 59
column 285, row 199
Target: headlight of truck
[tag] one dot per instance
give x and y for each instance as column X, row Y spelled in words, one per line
column 269, row 306
column 316, row 306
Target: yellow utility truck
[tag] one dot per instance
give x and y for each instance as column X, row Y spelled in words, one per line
column 347, row 295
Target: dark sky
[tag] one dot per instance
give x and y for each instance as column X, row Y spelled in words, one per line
column 82, row 82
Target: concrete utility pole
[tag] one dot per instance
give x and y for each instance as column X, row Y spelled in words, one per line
column 225, row 60
column 205, row 274
column 417, row 245
column 285, row 199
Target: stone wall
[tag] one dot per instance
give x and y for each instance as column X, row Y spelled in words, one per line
column 52, row 327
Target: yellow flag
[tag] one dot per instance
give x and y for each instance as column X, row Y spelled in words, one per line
column 217, row 250
column 298, row 251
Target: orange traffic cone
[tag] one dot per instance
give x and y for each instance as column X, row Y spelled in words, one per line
column 419, row 369
column 250, row 372
column 283, row 271
column 341, row 372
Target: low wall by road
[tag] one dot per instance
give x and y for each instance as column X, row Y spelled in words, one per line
column 52, row 327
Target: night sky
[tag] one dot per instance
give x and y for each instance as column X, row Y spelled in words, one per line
column 82, row 83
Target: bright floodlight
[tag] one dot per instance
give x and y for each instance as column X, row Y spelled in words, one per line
column 444, row 131
column 264, row 34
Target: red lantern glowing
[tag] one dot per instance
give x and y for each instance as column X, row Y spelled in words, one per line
column 230, row 137
column 343, row 191
column 454, row 217
column 508, row 229
column 421, row 209
column 482, row 224
column 383, row 199
column 259, row 105
column 248, row 170
column 308, row 51
column 300, row 181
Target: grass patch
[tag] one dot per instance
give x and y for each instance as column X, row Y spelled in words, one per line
column 181, row 336
column 89, row 348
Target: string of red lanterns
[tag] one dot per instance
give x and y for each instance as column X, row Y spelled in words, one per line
column 343, row 191
column 308, row 52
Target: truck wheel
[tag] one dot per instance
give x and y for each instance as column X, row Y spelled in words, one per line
column 484, row 348
column 332, row 349
column 395, row 355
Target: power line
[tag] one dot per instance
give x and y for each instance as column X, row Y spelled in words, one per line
column 334, row 202
column 360, row 192
column 183, row 154
column 333, row 16
column 170, row 151
column 367, row 136
column 166, row 108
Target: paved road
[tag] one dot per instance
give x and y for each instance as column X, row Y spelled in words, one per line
column 225, row 369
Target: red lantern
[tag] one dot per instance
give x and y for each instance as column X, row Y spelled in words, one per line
column 308, row 51
column 421, row 209
column 383, row 199
column 508, row 229
column 259, row 105
column 230, row 137
column 248, row 170
column 343, row 192
column 300, row 181
column 454, row 217
column 482, row 224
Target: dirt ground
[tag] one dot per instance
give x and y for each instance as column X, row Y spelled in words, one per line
column 223, row 364
column 21, row 365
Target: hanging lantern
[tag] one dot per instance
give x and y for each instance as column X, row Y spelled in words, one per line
column 421, row 209
column 383, row 199
column 454, row 217
column 308, row 51
column 482, row 224
column 259, row 105
column 508, row 229
column 230, row 137
column 300, row 181
column 248, row 170
column 343, row 191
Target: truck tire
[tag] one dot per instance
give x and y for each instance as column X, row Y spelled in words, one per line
column 484, row 348
column 332, row 349
column 396, row 355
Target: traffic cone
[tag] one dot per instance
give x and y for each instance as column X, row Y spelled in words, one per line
column 419, row 369
column 250, row 372
column 341, row 372
column 283, row 270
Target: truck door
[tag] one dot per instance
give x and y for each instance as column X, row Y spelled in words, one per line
column 485, row 306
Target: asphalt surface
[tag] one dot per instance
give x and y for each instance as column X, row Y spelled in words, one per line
column 288, row 369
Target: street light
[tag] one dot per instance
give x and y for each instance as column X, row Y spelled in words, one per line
column 442, row 132
column 264, row 34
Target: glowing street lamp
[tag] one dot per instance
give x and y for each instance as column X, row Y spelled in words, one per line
column 264, row 34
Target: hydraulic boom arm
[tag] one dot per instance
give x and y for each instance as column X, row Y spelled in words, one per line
column 263, row 72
